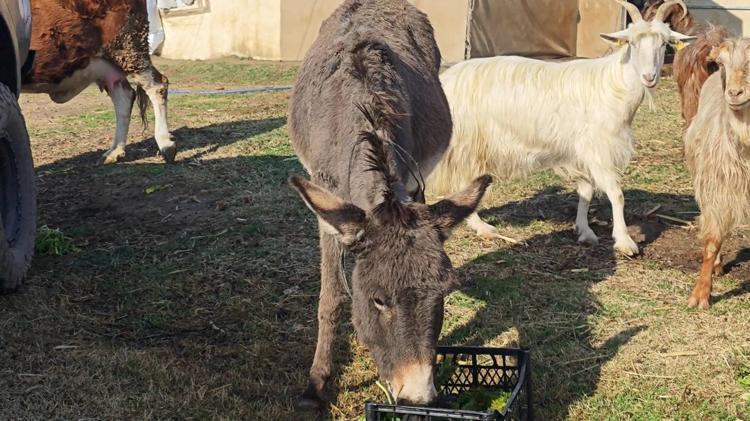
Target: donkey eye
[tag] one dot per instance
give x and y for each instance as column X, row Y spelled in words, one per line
column 379, row 304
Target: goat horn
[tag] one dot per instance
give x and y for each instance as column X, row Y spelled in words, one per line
column 633, row 11
column 662, row 10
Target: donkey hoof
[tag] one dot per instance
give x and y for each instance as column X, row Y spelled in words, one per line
column 168, row 153
column 308, row 404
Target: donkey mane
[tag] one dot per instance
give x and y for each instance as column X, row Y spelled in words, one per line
column 373, row 65
column 391, row 210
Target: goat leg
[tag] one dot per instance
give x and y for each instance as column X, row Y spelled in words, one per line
column 702, row 291
column 585, row 234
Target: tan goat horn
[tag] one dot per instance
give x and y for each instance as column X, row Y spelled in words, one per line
column 633, row 11
column 662, row 10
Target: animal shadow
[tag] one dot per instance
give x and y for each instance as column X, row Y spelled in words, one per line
column 558, row 205
column 188, row 139
column 540, row 296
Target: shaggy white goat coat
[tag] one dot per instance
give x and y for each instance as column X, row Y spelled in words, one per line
column 514, row 115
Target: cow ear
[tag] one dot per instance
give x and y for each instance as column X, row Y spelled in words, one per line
column 451, row 211
column 337, row 217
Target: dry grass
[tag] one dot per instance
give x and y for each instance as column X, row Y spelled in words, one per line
column 193, row 290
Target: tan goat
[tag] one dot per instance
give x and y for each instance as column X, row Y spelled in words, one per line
column 717, row 149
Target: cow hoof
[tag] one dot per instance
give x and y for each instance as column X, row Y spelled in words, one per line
column 168, row 153
column 112, row 156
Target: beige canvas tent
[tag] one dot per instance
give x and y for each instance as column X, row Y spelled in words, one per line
column 284, row 29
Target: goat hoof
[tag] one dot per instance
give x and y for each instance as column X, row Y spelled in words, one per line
column 112, row 156
column 696, row 300
column 488, row 235
column 588, row 237
column 168, row 153
column 627, row 247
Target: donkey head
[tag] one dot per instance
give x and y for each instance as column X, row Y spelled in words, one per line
column 647, row 40
column 733, row 58
column 401, row 272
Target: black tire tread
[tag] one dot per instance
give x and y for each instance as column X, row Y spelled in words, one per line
column 15, row 261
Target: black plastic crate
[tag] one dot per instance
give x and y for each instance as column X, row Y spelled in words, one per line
column 505, row 368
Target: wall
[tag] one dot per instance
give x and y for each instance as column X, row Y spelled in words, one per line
column 242, row 28
column 285, row 29
column 733, row 14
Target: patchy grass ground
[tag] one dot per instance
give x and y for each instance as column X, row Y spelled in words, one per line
column 188, row 291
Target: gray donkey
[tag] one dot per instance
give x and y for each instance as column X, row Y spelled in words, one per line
column 367, row 116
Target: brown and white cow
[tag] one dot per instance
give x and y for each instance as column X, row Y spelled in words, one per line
column 80, row 42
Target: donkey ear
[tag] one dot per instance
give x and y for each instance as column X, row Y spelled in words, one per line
column 341, row 219
column 451, row 211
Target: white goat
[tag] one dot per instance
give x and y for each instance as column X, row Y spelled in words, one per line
column 514, row 115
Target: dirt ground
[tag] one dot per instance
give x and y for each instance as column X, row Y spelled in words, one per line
column 190, row 290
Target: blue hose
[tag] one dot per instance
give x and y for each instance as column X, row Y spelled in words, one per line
column 229, row 91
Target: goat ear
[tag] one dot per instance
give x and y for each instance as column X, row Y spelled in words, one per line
column 618, row 38
column 451, row 211
column 716, row 51
column 679, row 41
column 341, row 219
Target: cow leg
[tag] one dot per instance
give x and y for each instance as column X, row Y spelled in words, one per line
column 156, row 87
column 122, row 96
column 332, row 296
column 702, row 291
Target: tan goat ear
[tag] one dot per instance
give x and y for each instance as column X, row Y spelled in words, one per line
column 337, row 217
column 713, row 56
column 451, row 211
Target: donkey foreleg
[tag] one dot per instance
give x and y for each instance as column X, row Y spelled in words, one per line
column 332, row 296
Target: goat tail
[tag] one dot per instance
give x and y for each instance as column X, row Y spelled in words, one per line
column 142, row 99
column 691, row 68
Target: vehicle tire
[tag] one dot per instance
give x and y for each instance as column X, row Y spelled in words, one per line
column 17, row 194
